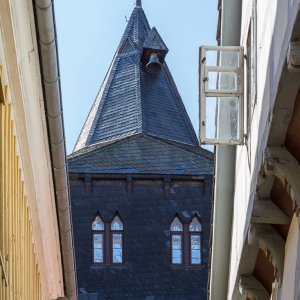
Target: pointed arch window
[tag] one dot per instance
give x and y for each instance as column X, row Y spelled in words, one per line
column 176, row 241
column 117, row 240
column 195, row 240
column 107, row 241
column 98, row 240
column 186, row 242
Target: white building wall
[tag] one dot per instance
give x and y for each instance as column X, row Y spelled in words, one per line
column 289, row 272
column 275, row 20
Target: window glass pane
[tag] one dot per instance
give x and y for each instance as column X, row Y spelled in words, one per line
column 195, row 242
column 98, row 248
column 116, row 224
column 117, row 248
column 195, row 249
column 222, row 58
column 176, row 257
column 98, row 224
column 222, row 118
column 195, row 225
column 196, row 257
column 222, row 81
column 176, row 249
column 176, row 225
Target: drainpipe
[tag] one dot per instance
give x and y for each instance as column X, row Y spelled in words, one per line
column 47, row 43
column 224, row 174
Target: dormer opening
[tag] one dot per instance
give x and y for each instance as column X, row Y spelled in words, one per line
column 154, row 52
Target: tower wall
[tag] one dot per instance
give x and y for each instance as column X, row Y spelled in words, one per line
column 147, row 206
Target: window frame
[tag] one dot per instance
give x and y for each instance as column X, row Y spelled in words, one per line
column 179, row 233
column 206, row 93
column 107, row 241
column 196, row 233
column 95, row 231
column 186, row 253
column 111, row 233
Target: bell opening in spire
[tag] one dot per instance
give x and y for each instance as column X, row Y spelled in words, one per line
column 138, row 3
column 154, row 65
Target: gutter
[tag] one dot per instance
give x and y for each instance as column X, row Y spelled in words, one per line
column 229, row 35
column 48, row 53
column 218, row 35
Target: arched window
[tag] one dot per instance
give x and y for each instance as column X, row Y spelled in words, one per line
column 195, row 232
column 186, row 242
column 116, row 228
column 98, row 240
column 107, row 239
column 176, row 229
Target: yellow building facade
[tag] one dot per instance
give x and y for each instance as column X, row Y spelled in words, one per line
column 19, row 268
column 36, row 244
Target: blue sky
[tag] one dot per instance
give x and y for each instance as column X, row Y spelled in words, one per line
column 89, row 33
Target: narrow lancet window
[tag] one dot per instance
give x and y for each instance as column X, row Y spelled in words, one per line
column 195, row 232
column 98, row 240
column 117, row 240
column 176, row 241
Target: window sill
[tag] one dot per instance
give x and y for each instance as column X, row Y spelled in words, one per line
column 109, row 267
column 187, row 267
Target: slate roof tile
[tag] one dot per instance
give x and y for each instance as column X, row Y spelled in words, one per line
column 142, row 154
column 154, row 41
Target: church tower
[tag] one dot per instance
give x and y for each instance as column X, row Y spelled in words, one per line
column 140, row 183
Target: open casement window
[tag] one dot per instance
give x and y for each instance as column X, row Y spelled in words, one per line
column 98, row 240
column 116, row 228
column 176, row 229
column 221, row 95
column 195, row 239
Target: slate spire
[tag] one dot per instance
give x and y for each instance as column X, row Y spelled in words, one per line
column 131, row 100
column 138, row 3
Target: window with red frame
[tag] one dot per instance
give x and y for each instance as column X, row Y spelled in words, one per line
column 177, row 241
column 195, row 242
column 98, row 240
column 107, row 240
column 186, row 242
column 117, row 240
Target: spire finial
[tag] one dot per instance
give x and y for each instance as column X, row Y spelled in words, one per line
column 138, row 3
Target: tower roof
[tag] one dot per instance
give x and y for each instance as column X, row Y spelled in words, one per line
column 132, row 101
column 142, row 154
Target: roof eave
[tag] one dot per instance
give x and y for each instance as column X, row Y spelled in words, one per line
column 47, row 42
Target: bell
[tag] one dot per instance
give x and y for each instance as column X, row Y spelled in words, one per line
column 153, row 66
